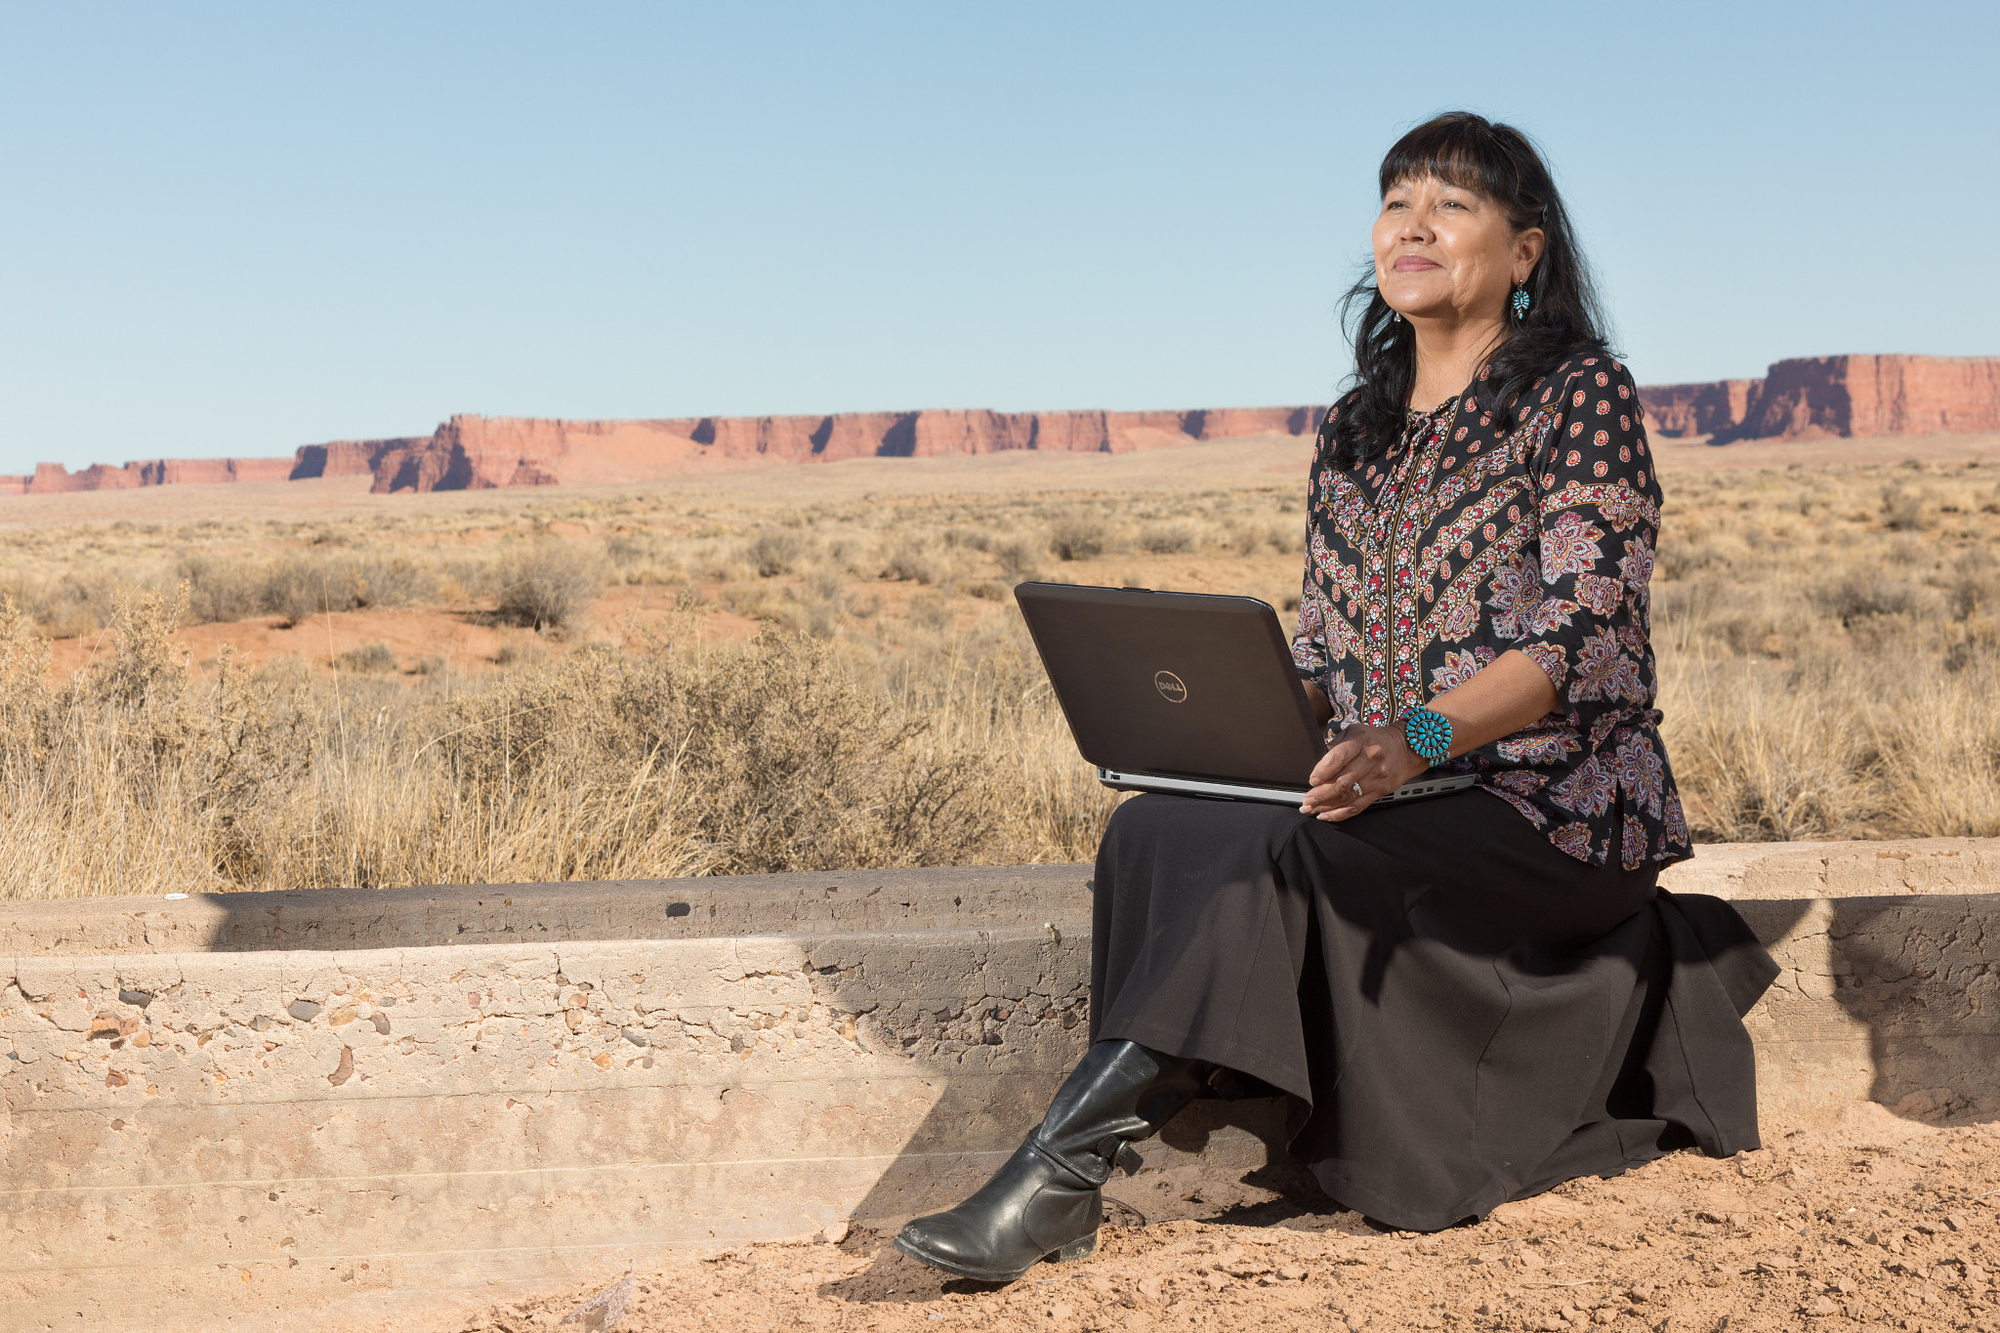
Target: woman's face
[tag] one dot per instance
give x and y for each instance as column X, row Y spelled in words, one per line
column 1443, row 252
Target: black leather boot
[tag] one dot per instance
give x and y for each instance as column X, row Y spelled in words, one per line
column 1044, row 1202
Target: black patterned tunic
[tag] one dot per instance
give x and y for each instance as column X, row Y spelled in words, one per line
column 1479, row 533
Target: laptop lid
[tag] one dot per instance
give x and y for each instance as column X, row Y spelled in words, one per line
column 1189, row 684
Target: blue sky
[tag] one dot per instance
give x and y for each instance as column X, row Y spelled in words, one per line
column 233, row 229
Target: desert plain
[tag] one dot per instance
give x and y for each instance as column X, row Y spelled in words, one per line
column 303, row 684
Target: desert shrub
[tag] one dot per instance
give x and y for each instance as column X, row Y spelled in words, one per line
column 774, row 551
column 1077, row 536
column 296, row 586
column 823, row 598
column 1972, row 584
column 759, row 601
column 222, row 589
column 1018, row 557
column 390, row 580
column 1244, row 538
column 915, row 560
column 372, row 658
column 547, row 585
column 932, row 611
column 626, row 551
column 1861, row 595
column 520, row 654
column 1902, row 510
column 145, row 666
column 722, row 563
column 1175, row 537
column 24, row 680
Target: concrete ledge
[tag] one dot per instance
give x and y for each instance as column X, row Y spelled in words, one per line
column 461, row 915
column 240, row 1110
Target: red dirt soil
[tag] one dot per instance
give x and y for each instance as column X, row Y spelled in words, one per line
column 1879, row 1220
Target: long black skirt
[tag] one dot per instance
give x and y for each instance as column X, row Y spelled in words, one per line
column 1465, row 1014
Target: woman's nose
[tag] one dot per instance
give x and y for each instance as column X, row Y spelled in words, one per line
column 1416, row 225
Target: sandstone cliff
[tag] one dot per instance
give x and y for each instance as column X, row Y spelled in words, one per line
column 1802, row 398
column 51, row 478
column 474, row 452
column 1815, row 397
column 1696, row 409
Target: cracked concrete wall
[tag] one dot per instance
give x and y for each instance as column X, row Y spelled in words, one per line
column 216, row 1111
column 274, row 1125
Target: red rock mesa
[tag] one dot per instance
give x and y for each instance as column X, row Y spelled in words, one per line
column 49, row 477
column 1810, row 398
column 474, row 452
column 1803, row 398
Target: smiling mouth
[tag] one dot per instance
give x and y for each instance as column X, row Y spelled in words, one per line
column 1414, row 264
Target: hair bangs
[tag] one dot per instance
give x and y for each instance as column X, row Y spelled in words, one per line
column 1466, row 151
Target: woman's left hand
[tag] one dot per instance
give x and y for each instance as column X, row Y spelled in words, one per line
column 1366, row 763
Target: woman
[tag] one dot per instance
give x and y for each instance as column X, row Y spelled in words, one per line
column 1470, row 998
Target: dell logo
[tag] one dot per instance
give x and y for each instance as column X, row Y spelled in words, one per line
column 1171, row 687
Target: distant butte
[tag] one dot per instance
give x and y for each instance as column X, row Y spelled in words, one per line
column 1818, row 397
column 1798, row 399
column 477, row 453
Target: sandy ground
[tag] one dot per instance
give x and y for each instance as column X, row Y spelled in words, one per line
column 465, row 642
column 459, row 641
column 1878, row 1221
column 1698, row 454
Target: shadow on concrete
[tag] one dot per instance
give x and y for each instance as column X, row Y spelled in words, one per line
column 1919, row 973
column 808, row 904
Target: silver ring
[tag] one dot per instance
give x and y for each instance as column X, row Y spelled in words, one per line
column 1357, row 788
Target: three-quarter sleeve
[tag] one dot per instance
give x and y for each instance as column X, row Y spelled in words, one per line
column 1309, row 639
column 1599, row 507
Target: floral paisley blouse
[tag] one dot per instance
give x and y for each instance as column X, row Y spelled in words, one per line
column 1478, row 533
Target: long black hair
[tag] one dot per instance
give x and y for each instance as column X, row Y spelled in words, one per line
column 1564, row 319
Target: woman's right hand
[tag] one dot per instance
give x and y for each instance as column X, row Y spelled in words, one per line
column 1366, row 763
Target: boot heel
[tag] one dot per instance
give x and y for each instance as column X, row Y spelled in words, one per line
column 1078, row 1249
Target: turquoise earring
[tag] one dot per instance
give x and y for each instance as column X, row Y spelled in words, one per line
column 1520, row 303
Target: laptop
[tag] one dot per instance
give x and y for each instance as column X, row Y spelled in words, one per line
column 1189, row 693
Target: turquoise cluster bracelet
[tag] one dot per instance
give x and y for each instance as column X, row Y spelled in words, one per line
column 1428, row 733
